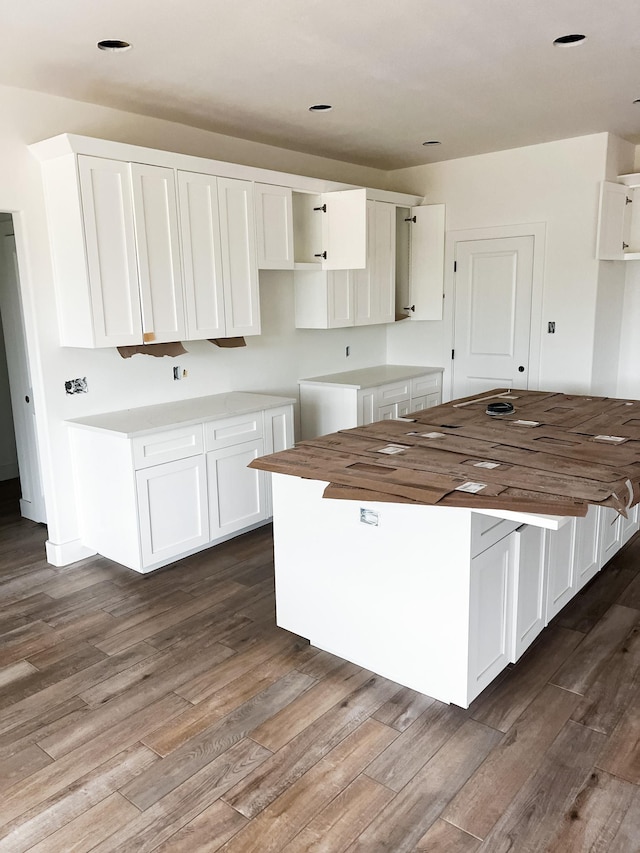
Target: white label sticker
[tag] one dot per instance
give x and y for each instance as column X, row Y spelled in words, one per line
column 471, row 487
column 393, row 448
column 615, row 438
column 526, row 423
column 486, row 464
column 428, row 434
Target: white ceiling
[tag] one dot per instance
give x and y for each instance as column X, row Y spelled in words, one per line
column 478, row 75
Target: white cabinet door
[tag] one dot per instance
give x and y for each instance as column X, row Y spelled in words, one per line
column 490, row 614
column 239, row 262
column 236, row 493
column 561, row 575
column 201, row 255
column 426, row 265
column 278, row 435
column 156, row 220
column 172, row 509
column 387, row 413
column 587, row 547
column 274, row 227
column 340, row 294
column 630, row 524
column 367, row 406
column 612, row 222
column 344, row 230
column 610, row 533
column 375, row 285
column 529, row 587
column 107, row 211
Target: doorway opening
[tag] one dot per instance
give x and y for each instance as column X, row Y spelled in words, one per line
column 19, row 462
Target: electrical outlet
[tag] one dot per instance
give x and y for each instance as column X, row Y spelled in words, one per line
column 76, row 386
column 177, row 373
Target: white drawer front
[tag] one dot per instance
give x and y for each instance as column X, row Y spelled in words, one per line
column 167, row 446
column 235, row 430
column 486, row 530
column 423, row 385
column 395, row 392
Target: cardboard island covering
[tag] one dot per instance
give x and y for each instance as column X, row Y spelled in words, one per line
column 554, row 454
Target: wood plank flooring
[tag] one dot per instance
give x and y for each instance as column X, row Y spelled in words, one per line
column 168, row 713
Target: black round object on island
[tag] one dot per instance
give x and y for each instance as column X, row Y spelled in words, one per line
column 501, row 408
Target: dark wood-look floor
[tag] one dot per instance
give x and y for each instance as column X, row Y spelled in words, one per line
column 168, row 713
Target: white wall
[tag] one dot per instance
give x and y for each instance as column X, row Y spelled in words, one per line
column 557, row 184
column 272, row 362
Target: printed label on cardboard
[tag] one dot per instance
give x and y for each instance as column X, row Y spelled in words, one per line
column 474, row 488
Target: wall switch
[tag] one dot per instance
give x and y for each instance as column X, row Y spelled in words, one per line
column 76, row 386
column 551, row 328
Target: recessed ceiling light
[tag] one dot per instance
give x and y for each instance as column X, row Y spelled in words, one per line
column 114, row 45
column 320, row 108
column 432, row 142
column 569, row 40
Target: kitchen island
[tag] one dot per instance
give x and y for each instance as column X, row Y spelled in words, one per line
column 436, row 595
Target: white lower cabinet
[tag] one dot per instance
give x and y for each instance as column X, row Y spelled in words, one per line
column 586, row 550
column 359, row 397
column 630, row 524
column 529, row 587
column 561, row 581
column 172, row 509
column 610, row 533
column 490, row 614
column 237, row 496
column 149, row 499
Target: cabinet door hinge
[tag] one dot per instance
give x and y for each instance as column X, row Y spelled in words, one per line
column 453, row 354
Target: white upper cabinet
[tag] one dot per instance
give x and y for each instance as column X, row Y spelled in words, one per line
column 344, row 230
column 218, row 245
column 375, row 285
column 337, row 298
column 613, row 222
column 239, row 264
column 159, row 269
column 330, row 229
column 274, row 227
column 99, row 302
column 426, row 262
column 201, row 255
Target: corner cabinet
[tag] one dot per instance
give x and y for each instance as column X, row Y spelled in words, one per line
column 148, row 498
column 618, row 237
column 146, row 253
column 357, row 397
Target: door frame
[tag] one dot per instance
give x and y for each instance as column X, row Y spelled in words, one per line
column 25, row 342
column 537, row 230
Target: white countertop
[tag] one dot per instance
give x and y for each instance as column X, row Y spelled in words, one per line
column 149, row 419
column 367, row 377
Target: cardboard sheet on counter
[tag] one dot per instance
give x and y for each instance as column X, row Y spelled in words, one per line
column 555, row 454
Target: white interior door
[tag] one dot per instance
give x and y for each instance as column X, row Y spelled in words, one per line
column 492, row 314
column 32, row 501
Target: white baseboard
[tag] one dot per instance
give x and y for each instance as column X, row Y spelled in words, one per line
column 67, row 552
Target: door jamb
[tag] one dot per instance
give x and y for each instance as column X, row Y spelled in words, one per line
column 538, row 231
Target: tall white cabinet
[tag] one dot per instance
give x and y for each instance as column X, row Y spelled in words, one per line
column 157, row 483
